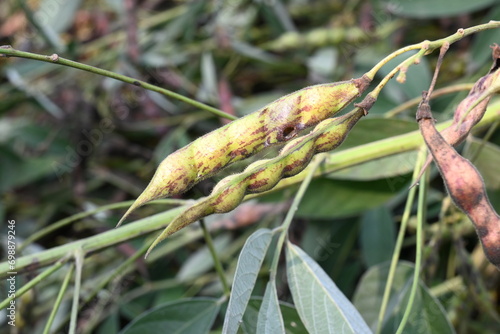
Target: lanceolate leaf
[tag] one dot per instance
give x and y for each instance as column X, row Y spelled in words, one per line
column 377, row 236
column 270, row 319
column 321, row 305
column 291, row 319
column 428, row 316
column 186, row 316
column 248, row 267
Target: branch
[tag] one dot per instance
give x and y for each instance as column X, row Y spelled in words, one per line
column 8, row 51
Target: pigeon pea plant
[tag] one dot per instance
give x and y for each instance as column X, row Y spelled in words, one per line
column 285, row 121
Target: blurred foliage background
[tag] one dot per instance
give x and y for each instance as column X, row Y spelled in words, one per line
column 72, row 141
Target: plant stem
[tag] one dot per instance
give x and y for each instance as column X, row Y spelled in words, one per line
column 431, row 46
column 217, row 263
column 34, row 282
column 78, row 255
column 94, row 243
column 9, row 52
column 59, row 299
column 484, row 140
column 126, row 267
column 289, row 216
column 421, row 216
column 68, row 220
column 439, row 92
column 405, row 63
column 399, row 242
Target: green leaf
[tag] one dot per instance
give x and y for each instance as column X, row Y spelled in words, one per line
column 427, row 9
column 326, row 199
column 377, row 236
column 387, row 167
column 58, row 15
column 187, row 316
column 376, row 128
column 202, row 261
column 292, row 322
column 17, row 172
column 323, row 62
column 486, row 162
column 208, row 90
column 479, row 50
column 417, row 79
column 270, row 319
column 321, row 305
column 253, row 52
column 247, row 269
column 109, row 325
column 428, row 316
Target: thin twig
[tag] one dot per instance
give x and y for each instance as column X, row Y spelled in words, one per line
column 10, row 52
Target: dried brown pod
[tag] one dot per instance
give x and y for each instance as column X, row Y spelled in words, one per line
column 464, row 184
column 469, row 112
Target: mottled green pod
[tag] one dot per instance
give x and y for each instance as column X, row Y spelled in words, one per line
column 277, row 122
column 265, row 174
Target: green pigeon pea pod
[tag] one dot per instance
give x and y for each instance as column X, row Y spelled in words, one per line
column 263, row 175
column 275, row 123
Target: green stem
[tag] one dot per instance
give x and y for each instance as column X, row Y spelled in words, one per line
column 78, row 255
column 34, row 282
column 94, row 243
column 485, row 139
column 421, row 216
column 126, row 266
column 289, row 216
column 59, row 299
column 431, row 46
column 494, row 88
column 215, row 257
column 452, row 285
column 403, row 65
column 399, row 242
column 68, row 220
column 9, row 52
column 439, row 92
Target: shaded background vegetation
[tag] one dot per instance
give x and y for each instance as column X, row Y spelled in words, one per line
column 72, row 141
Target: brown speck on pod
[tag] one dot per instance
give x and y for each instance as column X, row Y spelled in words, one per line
column 279, row 121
